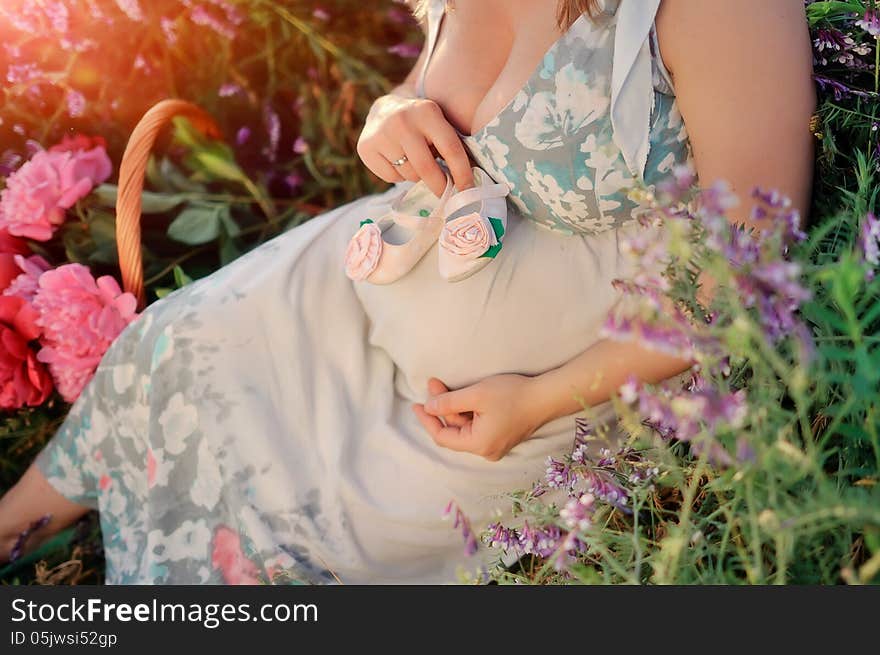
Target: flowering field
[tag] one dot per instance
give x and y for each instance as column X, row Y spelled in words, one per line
column 762, row 468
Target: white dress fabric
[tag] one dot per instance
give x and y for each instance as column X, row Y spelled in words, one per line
column 255, row 426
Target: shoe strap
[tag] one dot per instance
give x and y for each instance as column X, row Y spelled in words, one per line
column 415, row 222
column 475, row 195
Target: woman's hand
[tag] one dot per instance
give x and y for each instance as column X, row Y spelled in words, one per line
column 414, row 128
column 487, row 419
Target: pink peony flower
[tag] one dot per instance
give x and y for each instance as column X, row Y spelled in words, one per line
column 37, row 195
column 27, row 281
column 80, row 318
column 228, row 557
column 23, row 380
column 363, row 252
column 13, row 245
column 469, row 236
column 9, row 269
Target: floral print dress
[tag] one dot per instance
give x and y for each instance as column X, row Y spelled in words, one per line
column 255, row 426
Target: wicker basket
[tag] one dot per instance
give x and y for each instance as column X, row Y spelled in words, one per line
column 131, row 184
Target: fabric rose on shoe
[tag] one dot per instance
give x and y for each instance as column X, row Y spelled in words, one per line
column 38, row 194
column 27, row 281
column 80, row 317
column 469, row 236
column 23, row 379
column 363, row 252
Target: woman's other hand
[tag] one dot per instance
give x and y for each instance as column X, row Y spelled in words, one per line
column 487, row 419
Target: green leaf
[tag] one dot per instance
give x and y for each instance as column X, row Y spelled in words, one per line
column 197, row 224
column 229, row 251
column 854, row 432
column 151, row 203
column 181, row 279
column 230, row 227
column 45, row 550
column 169, row 178
column 215, row 163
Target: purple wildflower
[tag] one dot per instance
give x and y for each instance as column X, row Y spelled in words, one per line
column 58, row 16
column 839, row 89
column 405, row 50
column 76, row 103
column 300, row 146
column 498, row 536
column 22, row 73
column 578, row 513
column 777, row 208
column 559, row 475
column 675, row 186
column 9, row 162
column 243, row 135
column 21, row 541
column 745, row 452
column 294, row 181
column 774, row 290
column 833, row 46
column 229, row 89
column 601, row 485
column 542, row 542
column 169, row 29
column 870, row 22
column 201, row 15
column 693, row 415
column 869, row 241
column 399, row 16
column 272, row 122
column 462, row 523
column 132, row 9
column 675, row 338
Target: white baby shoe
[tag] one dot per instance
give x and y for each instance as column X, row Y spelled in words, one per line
column 384, row 250
column 476, row 221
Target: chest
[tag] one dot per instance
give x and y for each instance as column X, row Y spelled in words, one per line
column 486, row 51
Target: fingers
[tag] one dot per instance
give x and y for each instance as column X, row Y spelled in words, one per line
column 453, row 402
column 420, row 158
column 380, row 166
column 419, row 130
column 387, row 172
column 452, row 438
column 406, row 170
column 435, row 388
column 450, row 148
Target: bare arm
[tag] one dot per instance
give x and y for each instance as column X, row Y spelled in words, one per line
column 742, row 73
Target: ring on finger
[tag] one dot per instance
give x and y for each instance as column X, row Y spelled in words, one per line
column 400, row 162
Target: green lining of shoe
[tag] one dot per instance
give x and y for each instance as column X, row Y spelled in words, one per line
column 364, row 222
column 498, row 228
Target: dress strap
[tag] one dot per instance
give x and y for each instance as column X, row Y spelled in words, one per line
column 632, row 85
column 436, row 12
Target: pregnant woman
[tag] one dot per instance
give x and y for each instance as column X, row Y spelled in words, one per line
column 279, row 421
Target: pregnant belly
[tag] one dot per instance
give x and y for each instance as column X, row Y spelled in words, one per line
column 539, row 304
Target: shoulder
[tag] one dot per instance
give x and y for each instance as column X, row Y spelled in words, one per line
column 696, row 32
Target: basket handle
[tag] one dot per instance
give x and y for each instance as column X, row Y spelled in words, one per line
column 131, row 184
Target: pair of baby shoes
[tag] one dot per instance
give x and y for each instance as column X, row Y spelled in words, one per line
column 468, row 227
